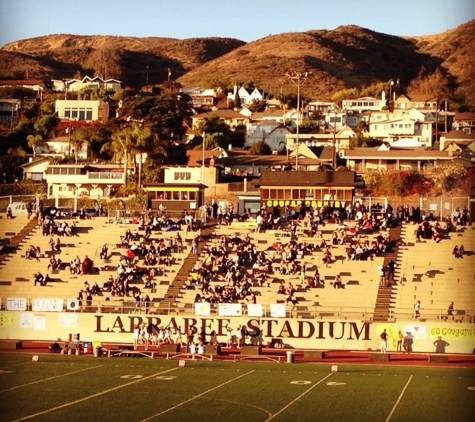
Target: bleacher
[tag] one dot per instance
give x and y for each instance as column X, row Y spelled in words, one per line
column 17, row 272
column 429, row 272
column 425, row 271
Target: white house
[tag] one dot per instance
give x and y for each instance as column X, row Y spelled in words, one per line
column 89, row 110
column 271, row 132
column 35, row 168
column 364, row 103
column 388, row 127
column 92, row 180
column 61, row 146
column 246, row 95
column 74, row 85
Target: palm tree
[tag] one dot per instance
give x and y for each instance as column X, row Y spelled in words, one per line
column 78, row 140
column 33, row 142
column 142, row 143
column 121, row 144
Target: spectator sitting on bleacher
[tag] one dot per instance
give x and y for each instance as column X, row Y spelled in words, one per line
column 39, row 278
column 338, row 284
column 104, row 251
column 54, row 264
column 327, row 256
column 95, row 289
column 33, row 252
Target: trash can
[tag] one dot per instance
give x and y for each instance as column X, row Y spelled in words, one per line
column 87, row 347
column 98, row 352
column 290, row 356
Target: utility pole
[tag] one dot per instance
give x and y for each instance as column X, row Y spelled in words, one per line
column 298, row 79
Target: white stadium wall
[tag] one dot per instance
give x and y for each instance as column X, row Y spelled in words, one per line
column 295, row 333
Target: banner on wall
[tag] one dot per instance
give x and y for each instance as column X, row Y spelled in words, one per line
column 254, row 309
column 229, row 309
column 39, row 322
column 68, row 320
column 47, row 305
column 26, row 320
column 16, row 304
column 277, row 310
column 202, row 308
column 6, row 319
column 72, row 304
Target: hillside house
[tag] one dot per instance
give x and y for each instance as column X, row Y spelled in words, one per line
column 38, row 86
column 272, row 133
column 84, row 110
column 461, row 138
column 91, row 179
column 35, row 169
column 9, row 110
column 60, row 147
column 364, row 103
column 417, row 101
column 390, row 127
column 246, row 96
column 230, row 117
column 386, row 158
column 203, row 97
column 464, row 121
column 75, row 85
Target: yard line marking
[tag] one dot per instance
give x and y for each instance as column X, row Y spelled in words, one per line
column 50, row 378
column 298, row 398
column 91, row 396
column 196, row 397
column 399, row 399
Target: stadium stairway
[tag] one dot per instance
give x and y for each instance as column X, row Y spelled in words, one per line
column 13, row 243
column 387, row 293
column 169, row 301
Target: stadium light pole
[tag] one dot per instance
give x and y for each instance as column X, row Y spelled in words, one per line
column 298, row 79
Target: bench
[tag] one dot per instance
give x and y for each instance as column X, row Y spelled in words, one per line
column 130, row 353
column 438, row 358
column 314, row 354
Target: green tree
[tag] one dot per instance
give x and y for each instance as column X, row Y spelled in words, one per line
column 44, row 125
column 33, row 142
column 345, row 94
column 120, row 145
column 79, row 139
column 260, row 148
column 257, row 105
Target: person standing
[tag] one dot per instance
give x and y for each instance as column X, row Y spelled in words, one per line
column 408, row 342
column 384, row 341
column 417, row 309
column 391, row 268
column 400, row 339
column 381, row 275
column 440, row 345
column 136, row 336
column 450, row 310
column 259, row 221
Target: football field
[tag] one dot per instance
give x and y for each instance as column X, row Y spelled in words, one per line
column 82, row 388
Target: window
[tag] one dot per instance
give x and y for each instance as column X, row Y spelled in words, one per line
column 176, row 196
column 182, row 175
column 192, row 196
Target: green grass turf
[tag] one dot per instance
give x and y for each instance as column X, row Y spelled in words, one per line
column 83, row 388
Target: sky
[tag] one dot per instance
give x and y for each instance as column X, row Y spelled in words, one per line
column 247, row 20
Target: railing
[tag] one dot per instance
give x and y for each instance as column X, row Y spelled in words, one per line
column 104, row 175
column 366, row 314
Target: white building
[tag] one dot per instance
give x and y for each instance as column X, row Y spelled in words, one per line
column 88, row 110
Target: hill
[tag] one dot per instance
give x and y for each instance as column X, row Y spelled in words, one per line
column 128, row 59
column 348, row 56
